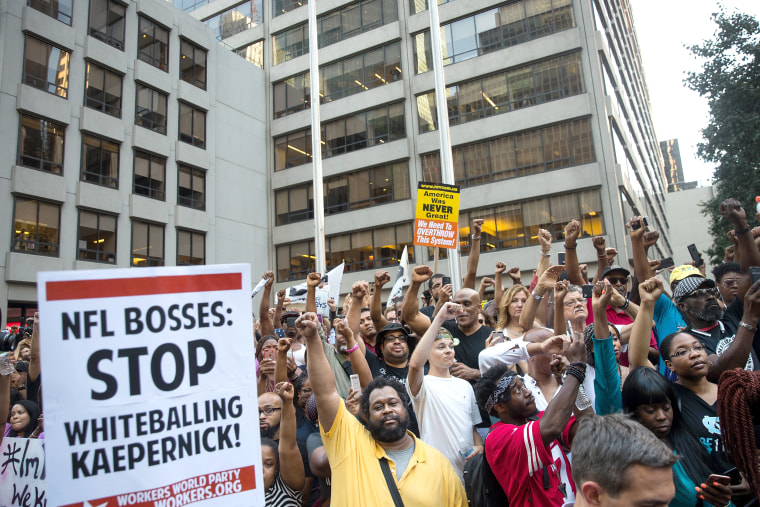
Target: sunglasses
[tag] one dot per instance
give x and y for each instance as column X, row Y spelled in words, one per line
column 617, row 280
column 705, row 292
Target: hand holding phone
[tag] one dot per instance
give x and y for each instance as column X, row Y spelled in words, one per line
column 497, row 337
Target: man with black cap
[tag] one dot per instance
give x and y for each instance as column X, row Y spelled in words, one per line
column 697, row 298
column 393, row 345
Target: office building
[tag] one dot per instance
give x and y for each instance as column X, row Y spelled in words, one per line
column 126, row 143
column 673, row 167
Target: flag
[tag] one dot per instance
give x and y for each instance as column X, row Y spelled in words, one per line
column 402, row 277
column 334, row 279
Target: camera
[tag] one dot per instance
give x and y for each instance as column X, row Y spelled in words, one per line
column 9, row 341
column 446, row 280
column 637, row 225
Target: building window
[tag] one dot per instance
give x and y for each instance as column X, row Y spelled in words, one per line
column 107, row 19
column 517, row 88
column 97, row 237
column 291, row 44
column 494, row 29
column 103, row 90
column 151, row 109
column 346, row 192
column 292, row 150
column 192, row 187
column 291, row 95
column 191, row 248
column 46, row 67
column 36, row 226
column 41, row 144
column 147, row 244
column 282, row 6
column 516, row 224
column 57, row 9
column 253, row 53
column 514, row 155
column 192, row 64
column 237, row 19
column 100, row 161
column 370, row 249
column 192, row 125
column 354, row 19
column 295, row 261
column 150, row 175
column 417, row 6
column 153, row 44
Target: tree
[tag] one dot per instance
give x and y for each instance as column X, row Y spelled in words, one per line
column 730, row 80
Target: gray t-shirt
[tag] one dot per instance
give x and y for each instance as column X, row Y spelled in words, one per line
column 401, row 459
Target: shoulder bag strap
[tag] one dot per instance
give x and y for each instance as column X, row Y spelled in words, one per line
column 391, row 483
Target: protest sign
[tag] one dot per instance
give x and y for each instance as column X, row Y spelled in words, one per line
column 150, row 389
column 22, row 472
column 437, row 215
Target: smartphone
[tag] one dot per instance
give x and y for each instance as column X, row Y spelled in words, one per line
column 270, row 354
column 695, row 255
column 754, row 274
column 637, row 225
column 667, row 262
column 355, row 385
column 735, row 475
column 446, row 280
column 561, row 258
column 721, row 479
column 588, row 290
column 498, row 337
column 291, row 321
column 279, row 332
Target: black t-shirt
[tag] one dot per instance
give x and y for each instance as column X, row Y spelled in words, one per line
column 379, row 368
column 717, row 339
column 702, row 420
column 733, row 315
column 428, row 311
column 467, row 347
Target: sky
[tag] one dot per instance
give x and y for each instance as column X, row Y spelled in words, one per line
column 663, row 28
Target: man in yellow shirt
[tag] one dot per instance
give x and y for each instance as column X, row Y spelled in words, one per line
column 422, row 474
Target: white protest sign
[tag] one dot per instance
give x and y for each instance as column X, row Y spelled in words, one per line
column 22, row 472
column 150, row 389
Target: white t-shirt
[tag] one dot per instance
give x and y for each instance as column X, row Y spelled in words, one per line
column 446, row 411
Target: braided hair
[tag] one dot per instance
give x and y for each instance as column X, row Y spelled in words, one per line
column 738, row 400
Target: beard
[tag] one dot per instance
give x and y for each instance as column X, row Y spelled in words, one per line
column 382, row 434
column 709, row 313
column 269, row 432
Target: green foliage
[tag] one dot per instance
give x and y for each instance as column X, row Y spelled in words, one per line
column 730, row 80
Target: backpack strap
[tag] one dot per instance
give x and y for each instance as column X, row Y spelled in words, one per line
column 397, row 501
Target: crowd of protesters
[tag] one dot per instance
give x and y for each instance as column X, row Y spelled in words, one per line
column 635, row 386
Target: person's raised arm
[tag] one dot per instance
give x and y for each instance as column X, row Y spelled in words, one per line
column 573, row 268
column 607, row 378
column 358, row 360
column 636, row 230
column 320, row 374
column 376, row 301
column 560, row 408
column 425, row 345
column 312, row 282
column 353, row 318
column 544, row 261
column 410, row 308
column 265, row 321
column 749, row 255
column 474, row 257
column 546, row 282
column 560, row 291
column 445, row 293
column 735, row 355
column 485, row 282
column 600, row 245
column 291, row 463
column 34, row 361
column 498, row 285
column 279, row 308
column 638, row 344
column 281, row 364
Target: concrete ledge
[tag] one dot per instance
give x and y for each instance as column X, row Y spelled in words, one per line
column 148, row 140
column 99, row 198
column 148, row 209
column 23, row 267
column 189, row 218
column 41, row 184
column 152, row 76
column 101, row 124
column 43, row 26
column 41, row 103
column 191, row 155
column 105, row 55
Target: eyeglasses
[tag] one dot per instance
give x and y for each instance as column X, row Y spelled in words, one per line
column 614, row 280
column 268, row 410
column 393, row 338
column 705, row 292
column 687, row 350
column 730, row 282
column 572, row 302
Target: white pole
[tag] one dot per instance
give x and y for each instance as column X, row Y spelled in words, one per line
column 447, row 167
column 316, row 142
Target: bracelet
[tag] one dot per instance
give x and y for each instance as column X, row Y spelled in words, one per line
column 576, row 372
column 739, row 232
column 570, row 247
column 627, row 302
column 356, row 346
column 473, row 237
column 536, row 296
column 749, row 327
column 545, row 254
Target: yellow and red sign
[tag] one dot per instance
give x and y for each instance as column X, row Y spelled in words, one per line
column 437, row 215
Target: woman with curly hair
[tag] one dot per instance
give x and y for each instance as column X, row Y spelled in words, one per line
column 739, row 413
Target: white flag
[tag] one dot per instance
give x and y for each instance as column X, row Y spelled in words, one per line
column 402, row 278
column 334, row 279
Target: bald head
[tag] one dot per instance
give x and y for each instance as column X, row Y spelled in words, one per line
column 538, row 335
